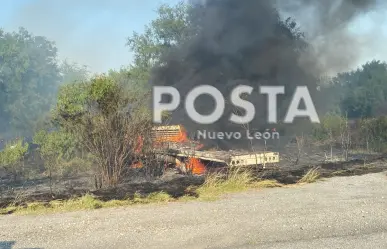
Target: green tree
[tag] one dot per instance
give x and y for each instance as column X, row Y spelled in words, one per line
column 364, row 91
column 29, row 77
column 171, row 27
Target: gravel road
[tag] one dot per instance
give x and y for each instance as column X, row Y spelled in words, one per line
column 345, row 212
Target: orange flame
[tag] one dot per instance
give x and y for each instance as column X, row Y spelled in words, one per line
column 179, row 138
column 196, row 166
column 137, row 165
column 140, row 144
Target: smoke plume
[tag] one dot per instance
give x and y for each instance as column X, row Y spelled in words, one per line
column 325, row 24
column 249, row 42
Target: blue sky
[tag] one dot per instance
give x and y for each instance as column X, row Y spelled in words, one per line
column 89, row 32
column 94, row 32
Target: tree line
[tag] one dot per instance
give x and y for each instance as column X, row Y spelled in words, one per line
column 92, row 122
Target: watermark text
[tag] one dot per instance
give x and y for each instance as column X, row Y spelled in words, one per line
column 301, row 94
column 204, row 134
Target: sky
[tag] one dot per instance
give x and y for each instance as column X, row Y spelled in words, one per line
column 89, row 32
column 94, row 32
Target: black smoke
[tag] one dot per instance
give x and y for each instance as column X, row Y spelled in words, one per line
column 234, row 42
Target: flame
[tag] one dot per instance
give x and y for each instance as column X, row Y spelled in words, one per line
column 181, row 137
column 140, row 144
column 199, row 146
column 137, row 165
column 196, row 166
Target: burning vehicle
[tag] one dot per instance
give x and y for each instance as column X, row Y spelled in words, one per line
column 173, row 146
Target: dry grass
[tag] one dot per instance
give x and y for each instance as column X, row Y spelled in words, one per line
column 368, row 166
column 266, row 184
column 311, row 176
column 363, row 151
column 85, row 202
column 237, row 180
column 342, row 172
column 335, row 159
column 215, row 186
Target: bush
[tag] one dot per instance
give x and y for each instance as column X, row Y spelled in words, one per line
column 12, row 157
column 109, row 120
column 329, row 127
column 373, row 132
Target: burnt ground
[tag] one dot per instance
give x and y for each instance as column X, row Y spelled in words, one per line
column 286, row 172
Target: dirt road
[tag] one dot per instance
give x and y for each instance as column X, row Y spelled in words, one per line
column 345, row 212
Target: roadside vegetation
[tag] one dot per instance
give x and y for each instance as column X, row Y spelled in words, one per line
column 60, row 122
column 213, row 188
column 83, row 203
